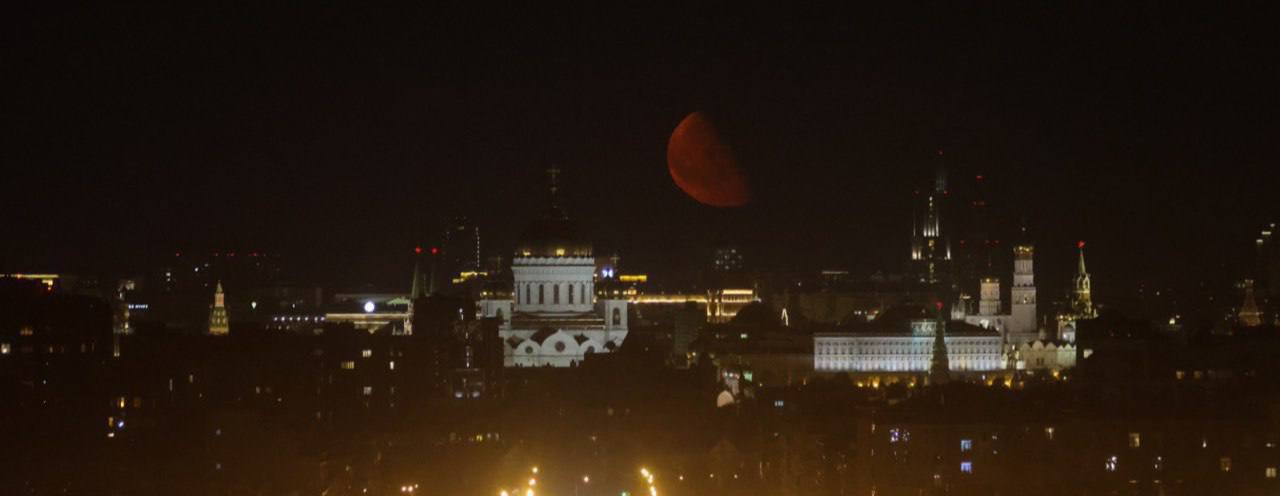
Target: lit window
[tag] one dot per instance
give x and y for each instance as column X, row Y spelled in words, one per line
column 391, row 365
column 1135, row 440
column 1048, row 433
column 899, row 435
column 966, row 444
column 366, row 353
column 1111, row 463
column 1271, row 472
column 778, row 403
column 368, row 390
column 966, row 467
column 1224, row 463
column 348, row 365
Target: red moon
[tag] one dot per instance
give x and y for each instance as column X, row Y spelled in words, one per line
column 704, row 166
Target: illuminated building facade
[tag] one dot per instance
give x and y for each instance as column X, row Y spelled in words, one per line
column 218, row 314
column 930, row 246
column 903, row 340
column 1267, row 277
column 556, row 315
column 1249, row 315
column 727, row 259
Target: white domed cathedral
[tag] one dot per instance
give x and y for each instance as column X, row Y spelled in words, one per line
column 555, row 313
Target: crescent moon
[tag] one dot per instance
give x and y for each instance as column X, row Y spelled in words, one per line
column 703, row 166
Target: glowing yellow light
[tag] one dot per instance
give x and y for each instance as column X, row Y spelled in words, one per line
column 535, row 470
column 559, row 252
column 503, row 493
column 586, row 479
column 533, row 482
column 634, row 278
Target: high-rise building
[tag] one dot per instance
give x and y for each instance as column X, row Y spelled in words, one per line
column 1249, row 315
column 461, row 248
column 218, row 314
column 930, row 245
column 1268, row 276
column 727, row 259
column 977, row 251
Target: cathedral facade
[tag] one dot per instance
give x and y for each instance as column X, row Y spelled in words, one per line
column 557, row 309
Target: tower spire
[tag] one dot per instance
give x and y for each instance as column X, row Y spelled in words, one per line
column 1080, row 271
column 1082, row 300
column 416, row 292
column 940, row 176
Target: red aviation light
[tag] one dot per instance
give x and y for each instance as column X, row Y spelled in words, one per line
column 435, row 251
column 1080, row 244
column 417, row 249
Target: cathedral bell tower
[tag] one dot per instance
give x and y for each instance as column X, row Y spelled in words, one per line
column 1023, row 292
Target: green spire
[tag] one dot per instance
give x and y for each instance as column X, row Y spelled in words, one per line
column 940, row 367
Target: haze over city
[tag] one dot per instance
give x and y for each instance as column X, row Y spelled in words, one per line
column 910, row 249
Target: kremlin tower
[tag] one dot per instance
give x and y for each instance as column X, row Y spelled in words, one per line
column 218, row 316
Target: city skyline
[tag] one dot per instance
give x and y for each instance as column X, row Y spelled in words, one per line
column 888, row 250
column 835, row 138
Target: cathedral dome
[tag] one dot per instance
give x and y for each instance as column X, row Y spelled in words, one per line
column 552, row 234
column 756, row 314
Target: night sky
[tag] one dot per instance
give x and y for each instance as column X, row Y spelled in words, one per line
column 341, row 137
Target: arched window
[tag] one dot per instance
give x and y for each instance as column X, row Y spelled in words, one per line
column 570, row 294
column 617, row 316
column 542, row 293
column 528, row 297
column 555, row 294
